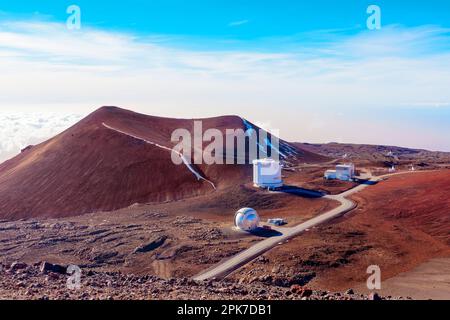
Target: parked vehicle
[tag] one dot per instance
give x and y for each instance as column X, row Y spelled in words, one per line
column 277, row 222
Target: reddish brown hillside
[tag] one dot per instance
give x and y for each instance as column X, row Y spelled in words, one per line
column 103, row 163
column 399, row 224
column 419, row 200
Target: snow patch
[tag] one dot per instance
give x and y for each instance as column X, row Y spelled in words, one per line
column 290, row 151
column 183, row 158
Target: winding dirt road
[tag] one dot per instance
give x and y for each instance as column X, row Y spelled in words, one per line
column 224, row 269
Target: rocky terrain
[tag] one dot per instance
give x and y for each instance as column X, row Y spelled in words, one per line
column 399, row 225
column 379, row 155
column 150, row 252
column 43, row 281
column 175, row 239
column 150, row 244
column 139, row 227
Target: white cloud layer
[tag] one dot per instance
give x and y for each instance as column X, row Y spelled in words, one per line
column 19, row 130
column 335, row 89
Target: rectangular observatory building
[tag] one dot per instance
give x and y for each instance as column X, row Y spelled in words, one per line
column 345, row 172
column 267, row 174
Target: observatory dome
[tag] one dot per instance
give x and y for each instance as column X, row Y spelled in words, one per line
column 246, row 219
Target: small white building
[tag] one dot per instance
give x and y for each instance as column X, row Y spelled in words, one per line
column 330, row 174
column 267, row 173
column 344, row 172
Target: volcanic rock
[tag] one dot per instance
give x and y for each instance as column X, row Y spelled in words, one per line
column 152, row 245
column 48, row 267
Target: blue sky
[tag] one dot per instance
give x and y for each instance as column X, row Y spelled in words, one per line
column 309, row 68
column 215, row 18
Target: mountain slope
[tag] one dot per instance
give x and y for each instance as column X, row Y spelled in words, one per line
column 376, row 154
column 112, row 159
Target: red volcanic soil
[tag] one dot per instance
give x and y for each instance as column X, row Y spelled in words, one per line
column 399, row 224
column 419, row 200
column 90, row 167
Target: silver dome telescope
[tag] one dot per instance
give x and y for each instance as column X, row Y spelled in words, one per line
column 247, row 219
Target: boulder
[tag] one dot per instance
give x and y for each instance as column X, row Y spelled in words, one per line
column 374, row 296
column 26, row 149
column 152, row 245
column 296, row 289
column 17, row 266
column 306, row 293
column 55, row 268
column 301, row 291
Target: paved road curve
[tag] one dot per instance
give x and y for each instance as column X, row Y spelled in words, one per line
column 222, row 270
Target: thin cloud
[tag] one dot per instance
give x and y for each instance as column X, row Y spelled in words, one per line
column 238, row 23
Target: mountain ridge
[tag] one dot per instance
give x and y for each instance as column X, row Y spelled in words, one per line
column 89, row 167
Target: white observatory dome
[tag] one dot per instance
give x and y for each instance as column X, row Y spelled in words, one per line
column 246, row 219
